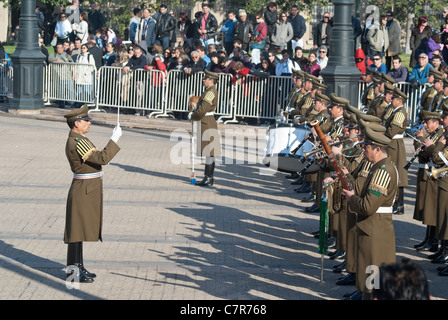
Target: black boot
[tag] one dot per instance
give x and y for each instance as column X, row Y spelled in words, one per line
column 81, row 265
column 443, row 257
column 298, row 182
column 74, row 264
column 398, row 207
column 293, row 175
column 432, row 244
column 425, row 241
column 208, row 179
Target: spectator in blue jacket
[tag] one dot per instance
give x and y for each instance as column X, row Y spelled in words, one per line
column 378, row 64
column 298, row 28
column 228, row 29
column 133, row 24
column 398, row 72
column 420, row 72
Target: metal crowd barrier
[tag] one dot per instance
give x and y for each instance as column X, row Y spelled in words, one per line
column 412, row 105
column 6, row 78
column 164, row 93
column 262, row 98
column 71, row 82
column 182, row 86
column 137, row 89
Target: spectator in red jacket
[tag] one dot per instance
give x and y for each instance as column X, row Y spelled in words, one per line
column 258, row 38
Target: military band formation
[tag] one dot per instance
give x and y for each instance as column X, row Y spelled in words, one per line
column 361, row 172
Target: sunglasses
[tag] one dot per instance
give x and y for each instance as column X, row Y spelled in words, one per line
column 376, row 59
column 322, row 51
column 326, row 17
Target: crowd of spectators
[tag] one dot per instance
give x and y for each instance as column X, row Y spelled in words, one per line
column 270, row 43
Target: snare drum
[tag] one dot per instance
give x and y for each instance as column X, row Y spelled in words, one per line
column 281, row 140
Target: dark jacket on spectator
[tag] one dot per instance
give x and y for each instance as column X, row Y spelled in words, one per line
column 241, row 31
column 97, row 55
column 211, row 25
column 400, row 75
column 317, row 33
column 165, row 25
column 198, row 66
column 137, row 63
column 298, row 26
column 270, row 18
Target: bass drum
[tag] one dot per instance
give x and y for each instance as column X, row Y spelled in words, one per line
column 281, row 139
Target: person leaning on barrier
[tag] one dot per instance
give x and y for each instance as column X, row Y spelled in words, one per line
column 402, row 281
column 208, row 135
column 63, row 76
column 84, row 213
column 137, row 61
column 419, row 74
column 373, row 206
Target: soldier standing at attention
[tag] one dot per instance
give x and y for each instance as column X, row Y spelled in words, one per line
column 208, row 135
column 84, row 214
column 395, row 127
column 373, row 206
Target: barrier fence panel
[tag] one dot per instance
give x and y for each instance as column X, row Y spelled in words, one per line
column 71, row 82
column 257, row 97
column 137, row 89
column 412, row 104
column 182, row 86
column 6, row 78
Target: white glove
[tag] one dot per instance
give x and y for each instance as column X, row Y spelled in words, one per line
column 116, row 134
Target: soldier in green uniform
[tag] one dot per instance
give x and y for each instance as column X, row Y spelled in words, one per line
column 440, row 93
column 440, row 160
column 373, row 207
column 306, row 101
column 208, row 134
column 296, row 92
column 396, row 125
column 426, row 200
column 430, row 91
column 440, row 98
column 368, row 94
column 380, row 108
column 84, row 214
column 358, row 172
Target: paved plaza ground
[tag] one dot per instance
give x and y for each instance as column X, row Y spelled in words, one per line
column 245, row 238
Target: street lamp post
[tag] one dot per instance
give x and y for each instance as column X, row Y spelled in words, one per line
column 27, row 61
column 341, row 75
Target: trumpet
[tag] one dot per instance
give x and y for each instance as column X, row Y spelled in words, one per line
column 314, row 151
column 435, row 172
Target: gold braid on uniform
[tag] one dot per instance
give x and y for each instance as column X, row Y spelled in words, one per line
column 84, row 148
column 380, row 182
column 365, row 169
column 209, row 96
column 398, row 119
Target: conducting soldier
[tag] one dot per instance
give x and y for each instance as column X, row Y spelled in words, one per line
column 395, row 128
column 426, row 194
column 84, row 214
column 373, row 207
column 207, row 134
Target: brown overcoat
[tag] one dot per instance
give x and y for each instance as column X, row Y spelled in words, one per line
column 208, row 133
column 375, row 231
column 396, row 126
column 84, row 211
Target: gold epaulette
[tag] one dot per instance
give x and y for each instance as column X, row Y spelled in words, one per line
column 84, row 148
column 380, row 182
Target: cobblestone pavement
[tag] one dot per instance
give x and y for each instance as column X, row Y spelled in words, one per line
column 247, row 237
